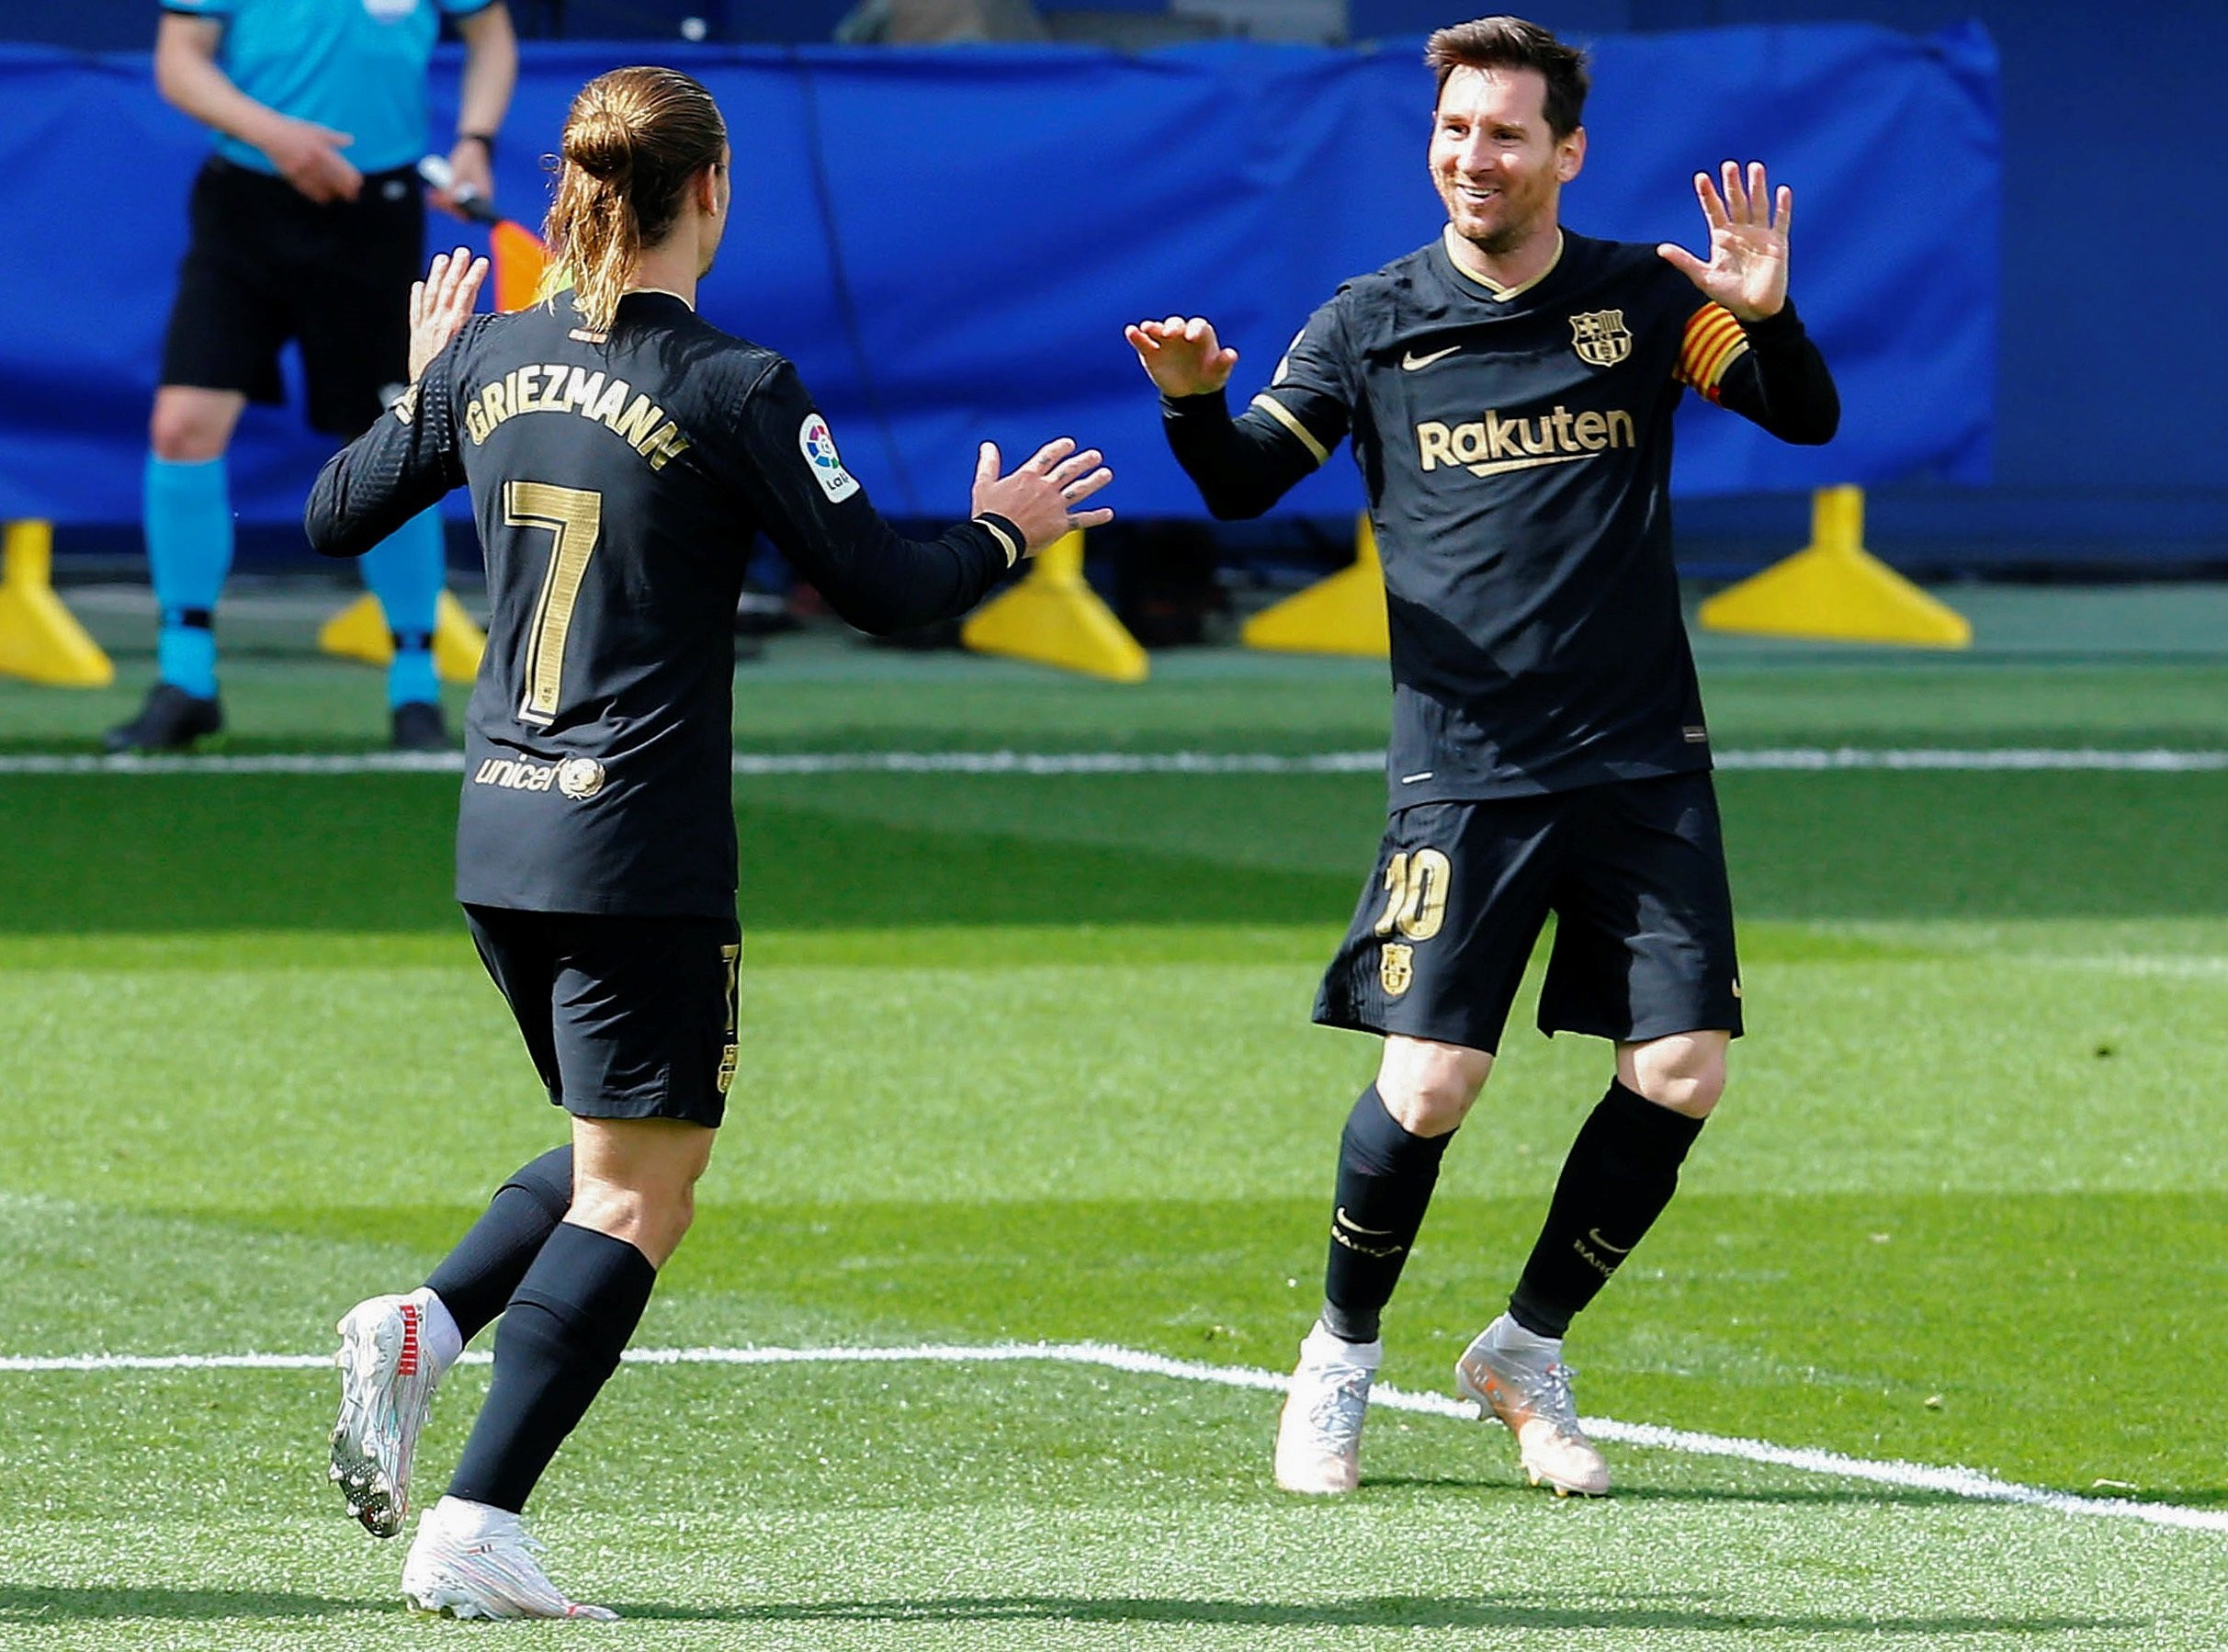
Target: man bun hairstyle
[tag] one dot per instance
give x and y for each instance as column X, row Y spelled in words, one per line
column 1513, row 43
column 633, row 141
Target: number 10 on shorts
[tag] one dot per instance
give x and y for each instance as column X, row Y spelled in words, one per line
column 1415, row 906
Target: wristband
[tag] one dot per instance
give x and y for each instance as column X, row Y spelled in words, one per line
column 485, row 140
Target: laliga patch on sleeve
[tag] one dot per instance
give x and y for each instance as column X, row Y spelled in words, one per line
column 819, row 448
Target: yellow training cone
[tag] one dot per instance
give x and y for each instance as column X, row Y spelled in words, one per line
column 359, row 633
column 39, row 638
column 1836, row 589
column 1341, row 614
column 1053, row 618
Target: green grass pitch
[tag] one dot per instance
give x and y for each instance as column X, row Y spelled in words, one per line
column 1027, row 1059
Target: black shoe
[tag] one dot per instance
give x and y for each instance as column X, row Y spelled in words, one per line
column 171, row 720
column 418, row 728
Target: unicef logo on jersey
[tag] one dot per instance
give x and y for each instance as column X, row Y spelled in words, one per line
column 389, row 11
column 817, row 442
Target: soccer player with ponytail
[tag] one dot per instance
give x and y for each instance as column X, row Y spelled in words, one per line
column 621, row 453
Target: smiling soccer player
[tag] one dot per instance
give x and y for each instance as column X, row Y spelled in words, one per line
column 1508, row 391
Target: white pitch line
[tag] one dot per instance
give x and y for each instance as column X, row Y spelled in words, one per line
column 1788, row 759
column 1965, row 1483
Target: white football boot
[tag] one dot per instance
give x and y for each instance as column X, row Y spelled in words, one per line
column 1318, row 1437
column 388, row 1372
column 1521, row 1378
column 472, row 1561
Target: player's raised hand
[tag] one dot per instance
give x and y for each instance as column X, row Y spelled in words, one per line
column 308, row 157
column 1182, row 355
column 1039, row 497
column 1746, row 271
column 441, row 303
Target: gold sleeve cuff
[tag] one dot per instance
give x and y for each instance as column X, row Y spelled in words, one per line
column 1006, row 542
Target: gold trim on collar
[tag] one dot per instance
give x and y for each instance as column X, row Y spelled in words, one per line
column 1494, row 289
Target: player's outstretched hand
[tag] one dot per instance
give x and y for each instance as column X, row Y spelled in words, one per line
column 1040, row 496
column 441, row 303
column 1181, row 354
column 1746, row 271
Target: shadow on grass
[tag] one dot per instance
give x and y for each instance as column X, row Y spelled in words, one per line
column 1790, row 1496
column 32, row 1605
column 1636, row 1613
column 21, row 1604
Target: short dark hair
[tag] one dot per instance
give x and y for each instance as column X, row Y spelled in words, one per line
column 1513, row 43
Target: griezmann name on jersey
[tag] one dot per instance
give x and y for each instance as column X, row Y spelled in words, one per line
column 618, row 480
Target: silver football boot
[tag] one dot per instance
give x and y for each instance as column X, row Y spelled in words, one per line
column 386, row 1380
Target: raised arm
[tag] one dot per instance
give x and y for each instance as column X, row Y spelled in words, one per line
column 491, row 72
column 1243, row 466
column 187, row 74
column 816, row 511
column 1769, row 372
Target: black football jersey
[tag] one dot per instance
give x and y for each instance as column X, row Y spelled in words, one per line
column 1516, row 448
column 618, row 480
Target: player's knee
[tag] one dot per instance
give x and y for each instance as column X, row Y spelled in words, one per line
column 653, row 1213
column 1691, row 1087
column 1429, row 1088
column 185, row 435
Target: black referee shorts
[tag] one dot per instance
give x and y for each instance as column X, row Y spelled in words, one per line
column 625, row 1017
column 267, row 265
column 1635, row 873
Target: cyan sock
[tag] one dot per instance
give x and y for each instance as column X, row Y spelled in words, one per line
column 187, row 513
column 405, row 571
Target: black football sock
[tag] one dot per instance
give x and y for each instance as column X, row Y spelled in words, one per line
column 1620, row 1174
column 477, row 1278
column 1386, row 1177
column 559, row 1343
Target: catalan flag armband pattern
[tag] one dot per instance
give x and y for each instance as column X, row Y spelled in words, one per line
column 1714, row 342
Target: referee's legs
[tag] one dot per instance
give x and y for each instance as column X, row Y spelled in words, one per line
column 577, row 1307
column 188, row 519
column 405, row 571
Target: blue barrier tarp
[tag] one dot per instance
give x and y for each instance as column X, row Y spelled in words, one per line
column 948, row 242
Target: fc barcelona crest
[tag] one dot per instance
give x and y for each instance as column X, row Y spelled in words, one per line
column 1600, row 338
column 1396, row 968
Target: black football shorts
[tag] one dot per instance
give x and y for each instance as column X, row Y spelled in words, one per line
column 625, row 1017
column 267, row 265
column 1634, row 873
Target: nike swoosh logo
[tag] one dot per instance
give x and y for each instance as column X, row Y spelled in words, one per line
column 1351, row 1226
column 1595, row 1234
column 1411, row 361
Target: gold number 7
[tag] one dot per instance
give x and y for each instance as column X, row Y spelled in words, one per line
column 575, row 517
